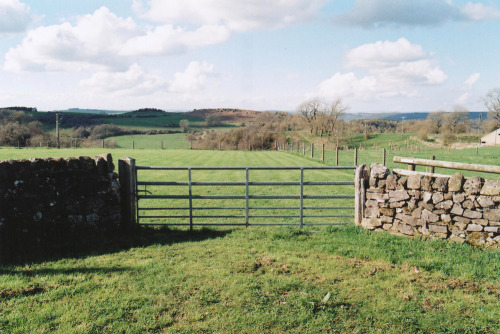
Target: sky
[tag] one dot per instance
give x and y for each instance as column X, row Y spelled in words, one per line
column 376, row 55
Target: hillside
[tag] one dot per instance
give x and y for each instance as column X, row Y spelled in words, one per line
column 397, row 116
column 226, row 114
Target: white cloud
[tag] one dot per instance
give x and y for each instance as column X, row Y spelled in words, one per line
column 472, row 79
column 192, row 79
column 14, row 16
column 383, row 54
column 237, row 15
column 134, row 81
column 102, row 41
column 168, row 39
column 416, row 72
column 348, row 84
column 394, row 69
column 378, row 13
column 91, row 44
column 462, row 99
column 480, row 12
column 399, row 62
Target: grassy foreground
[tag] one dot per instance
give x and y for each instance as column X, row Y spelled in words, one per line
column 237, row 280
column 256, row 280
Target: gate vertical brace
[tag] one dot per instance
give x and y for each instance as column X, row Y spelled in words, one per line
column 301, row 197
column 246, row 198
column 136, row 192
column 190, row 201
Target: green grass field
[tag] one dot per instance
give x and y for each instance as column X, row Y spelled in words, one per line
column 170, row 141
column 139, row 121
column 485, row 155
column 258, row 279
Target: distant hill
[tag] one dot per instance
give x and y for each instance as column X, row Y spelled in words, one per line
column 396, row 116
column 91, row 111
column 227, row 114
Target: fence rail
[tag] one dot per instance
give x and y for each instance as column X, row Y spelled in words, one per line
column 412, row 162
column 247, row 208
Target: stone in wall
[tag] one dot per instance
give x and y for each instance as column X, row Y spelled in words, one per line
column 456, row 208
column 48, row 204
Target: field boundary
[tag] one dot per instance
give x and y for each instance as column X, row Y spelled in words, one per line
column 151, row 214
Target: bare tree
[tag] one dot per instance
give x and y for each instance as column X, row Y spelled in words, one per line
column 310, row 110
column 334, row 114
column 437, row 118
column 321, row 115
column 492, row 103
column 184, row 125
column 456, row 121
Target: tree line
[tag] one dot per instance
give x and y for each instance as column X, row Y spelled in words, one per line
column 325, row 119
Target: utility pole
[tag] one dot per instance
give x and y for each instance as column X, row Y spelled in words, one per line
column 57, row 129
column 366, row 135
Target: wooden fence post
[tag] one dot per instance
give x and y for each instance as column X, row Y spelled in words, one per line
column 384, row 157
column 359, row 193
column 312, row 150
column 304, row 149
column 127, row 175
column 431, row 169
column 322, row 152
column 337, row 156
column 355, row 156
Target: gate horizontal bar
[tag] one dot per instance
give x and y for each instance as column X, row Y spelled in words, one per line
column 193, row 196
column 242, row 224
column 195, row 208
column 254, row 208
column 329, row 208
column 241, row 168
column 242, row 196
column 328, row 216
column 284, row 183
column 204, row 217
column 250, row 216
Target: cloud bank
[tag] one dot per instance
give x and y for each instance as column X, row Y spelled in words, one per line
column 14, row 17
column 394, row 69
column 380, row 13
column 235, row 15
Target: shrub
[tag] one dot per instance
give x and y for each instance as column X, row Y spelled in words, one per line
column 448, row 138
column 422, row 134
column 104, row 130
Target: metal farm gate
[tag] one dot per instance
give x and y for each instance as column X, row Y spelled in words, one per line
column 170, row 197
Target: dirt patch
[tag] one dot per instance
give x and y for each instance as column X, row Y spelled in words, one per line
column 264, row 264
column 29, row 291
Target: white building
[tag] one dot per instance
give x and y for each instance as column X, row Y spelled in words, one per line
column 491, row 138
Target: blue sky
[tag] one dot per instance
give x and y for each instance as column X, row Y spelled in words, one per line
column 377, row 55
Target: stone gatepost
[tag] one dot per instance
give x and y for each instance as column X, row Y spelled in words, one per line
column 360, row 181
column 126, row 170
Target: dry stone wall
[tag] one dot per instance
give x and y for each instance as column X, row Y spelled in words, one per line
column 456, row 208
column 49, row 205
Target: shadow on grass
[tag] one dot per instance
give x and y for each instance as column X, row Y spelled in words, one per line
column 93, row 245
column 64, row 270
